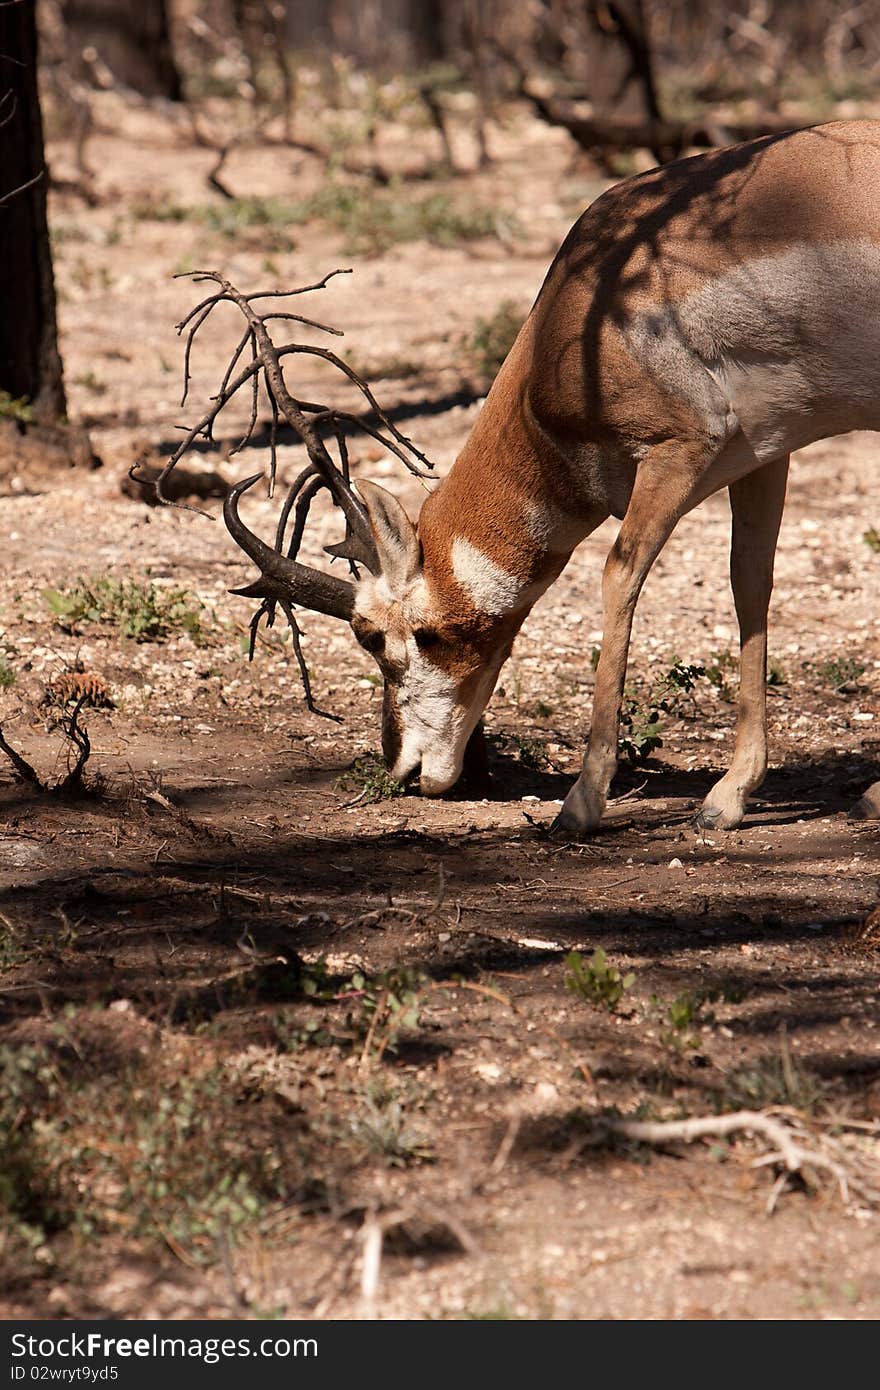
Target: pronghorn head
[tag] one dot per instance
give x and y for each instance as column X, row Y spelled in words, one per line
column 433, row 613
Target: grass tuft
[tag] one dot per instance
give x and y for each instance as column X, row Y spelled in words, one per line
column 139, row 611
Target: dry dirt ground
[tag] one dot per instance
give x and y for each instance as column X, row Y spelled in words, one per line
column 273, row 1048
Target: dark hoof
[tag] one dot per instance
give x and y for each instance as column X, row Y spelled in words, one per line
column 575, row 834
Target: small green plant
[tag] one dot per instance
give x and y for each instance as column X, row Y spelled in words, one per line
column 683, row 1016
column 681, row 678
column 31, row 1197
column 92, row 383
column 7, row 674
column 776, row 674
column 16, row 408
column 142, row 612
column 388, row 1003
column 841, row 671
column 370, row 777
column 369, row 220
column 270, row 217
column 289, row 1036
column 542, row 710
column 151, row 1151
column 721, row 666
column 595, row 980
column 395, row 367
column 642, row 718
column 643, row 736
column 775, row 1080
column 376, row 222
column 871, row 537
column 532, row 752
column 382, row 1126
column 12, row 950
column 493, row 338
column 683, row 1011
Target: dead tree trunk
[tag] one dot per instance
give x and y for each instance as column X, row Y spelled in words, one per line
column 619, row 67
column 30, row 364
column 131, row 39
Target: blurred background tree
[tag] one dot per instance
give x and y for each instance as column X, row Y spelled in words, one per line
column 627, row 79
column 131, row 41
column 642, row 73
column 31, row 381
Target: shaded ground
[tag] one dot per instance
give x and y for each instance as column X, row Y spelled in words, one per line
column 245, row 1014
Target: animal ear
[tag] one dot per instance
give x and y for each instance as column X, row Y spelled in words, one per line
column 397, row 544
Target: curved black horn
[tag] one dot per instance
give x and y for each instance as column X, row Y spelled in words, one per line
column 283, row 578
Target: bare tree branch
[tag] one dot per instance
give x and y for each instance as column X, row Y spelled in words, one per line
column 793, row 1148
column 285, row 581
column 79, row 738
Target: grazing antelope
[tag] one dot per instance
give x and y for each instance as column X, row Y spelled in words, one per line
column 699, row 323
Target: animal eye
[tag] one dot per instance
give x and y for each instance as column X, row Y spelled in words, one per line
column 425, row 638
column 372, row 642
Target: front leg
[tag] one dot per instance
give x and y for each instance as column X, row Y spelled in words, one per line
column 665, row 488
column 756, row 503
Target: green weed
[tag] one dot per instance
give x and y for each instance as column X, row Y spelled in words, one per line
column 871, row 537
column 532, row 752
column 775, row 1080
column 641, row 718
column 148, row 1151
column 12, row 949
column 370, row 220
column 142, row 612
column 16, row 408
column 370, row 777
column 493, row 338
column 683, row 1017
column 388, row 1004
column 841, row 671
column 395, row 367
column 382, row 1126
column 720, row 667
column 32, row 1199
column 92, row 383
column 595, row 980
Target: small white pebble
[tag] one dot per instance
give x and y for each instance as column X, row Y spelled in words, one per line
column 675, row 864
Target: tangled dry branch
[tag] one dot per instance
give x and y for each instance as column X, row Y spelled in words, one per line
column 315, row 424
column 79, row 741
column 798, row 1147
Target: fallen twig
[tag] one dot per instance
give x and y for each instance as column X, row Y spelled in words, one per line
column 794, row 1148
column 79, row 738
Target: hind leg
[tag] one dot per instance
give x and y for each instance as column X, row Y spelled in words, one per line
column 756, row 502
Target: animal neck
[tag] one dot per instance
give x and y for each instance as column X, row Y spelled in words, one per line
column 501, row 525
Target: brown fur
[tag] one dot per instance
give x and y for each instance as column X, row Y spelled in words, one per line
column 699, row 322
